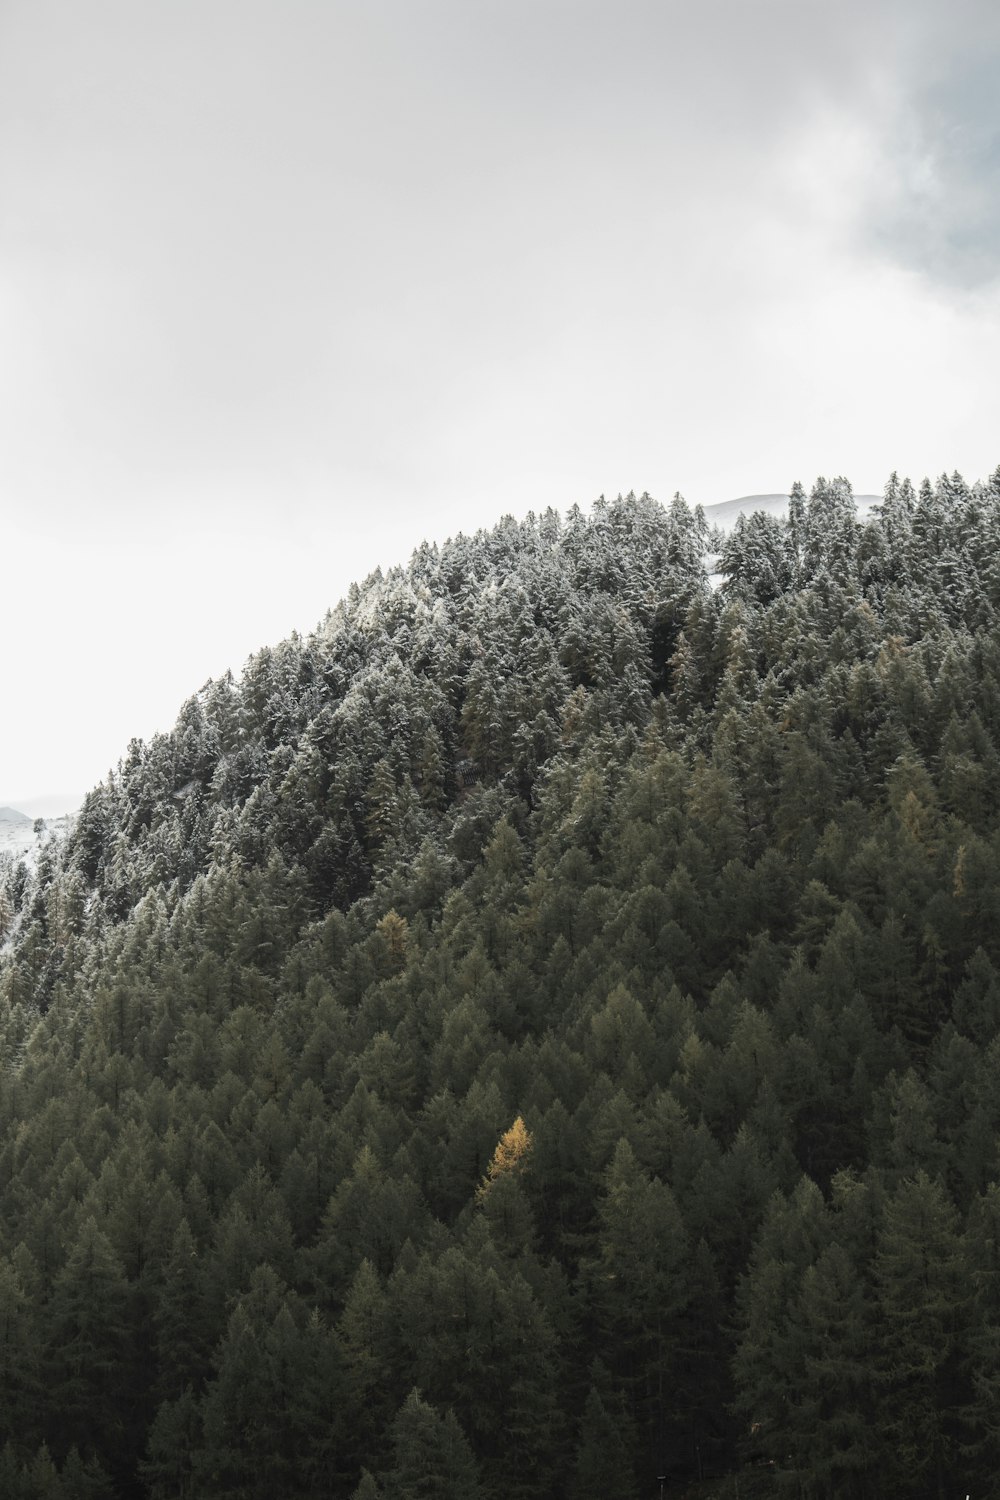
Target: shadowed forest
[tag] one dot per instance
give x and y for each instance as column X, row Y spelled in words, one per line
column 537, row 1033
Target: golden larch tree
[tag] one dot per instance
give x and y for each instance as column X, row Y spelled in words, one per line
column 510, row 1156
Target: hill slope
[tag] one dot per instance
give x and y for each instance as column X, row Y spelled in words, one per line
column 12, row 816
column 539, row 1031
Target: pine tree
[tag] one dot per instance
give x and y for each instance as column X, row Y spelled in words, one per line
column 432, row 1457
column 923, row 1299
column 174, row 1440
column 640, row 1290
column 364, row 1331
column 606, row 1445
column 89, row 1359
column 19, row 1355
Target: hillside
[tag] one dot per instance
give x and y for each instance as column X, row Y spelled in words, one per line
column 535, row 1033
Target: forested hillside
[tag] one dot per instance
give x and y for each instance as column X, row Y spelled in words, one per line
column 537, row 1033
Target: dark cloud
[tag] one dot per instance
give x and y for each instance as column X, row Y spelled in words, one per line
column 935, row 207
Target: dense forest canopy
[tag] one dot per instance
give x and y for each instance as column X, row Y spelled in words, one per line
column 537, row 1033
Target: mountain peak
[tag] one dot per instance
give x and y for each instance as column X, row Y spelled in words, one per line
column 11, row 815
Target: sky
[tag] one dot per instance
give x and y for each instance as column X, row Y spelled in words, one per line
column 289, row 286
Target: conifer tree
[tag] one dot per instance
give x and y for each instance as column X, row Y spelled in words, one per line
column 89, row 1355
column 922, row 1307
column 432, row 1457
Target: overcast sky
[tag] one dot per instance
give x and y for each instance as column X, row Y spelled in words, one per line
column 287, row 287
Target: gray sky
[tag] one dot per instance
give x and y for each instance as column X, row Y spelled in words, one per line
column 287, row 287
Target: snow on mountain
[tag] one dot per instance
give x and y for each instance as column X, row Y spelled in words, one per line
column 18, row 839
column 11, row 815
column 57, row 809
column 727, row 512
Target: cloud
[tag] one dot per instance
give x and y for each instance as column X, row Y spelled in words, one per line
column 336, row 277
column 246, row 246
column 933, row 195
column 940, row 210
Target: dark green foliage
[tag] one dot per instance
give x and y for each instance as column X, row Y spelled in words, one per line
column 606, row 1446
column 432, row 1459
column 696, row 890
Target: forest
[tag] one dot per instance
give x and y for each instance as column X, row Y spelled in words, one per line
column 536, row 1036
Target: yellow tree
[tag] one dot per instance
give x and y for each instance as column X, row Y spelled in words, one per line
column 501, row 1193
column 509, row 1159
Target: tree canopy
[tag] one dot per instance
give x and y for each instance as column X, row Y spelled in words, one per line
column 539, row 1031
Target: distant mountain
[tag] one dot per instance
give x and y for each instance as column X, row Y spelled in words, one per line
column 53, row 804
column 727, row 512
column 11, row 815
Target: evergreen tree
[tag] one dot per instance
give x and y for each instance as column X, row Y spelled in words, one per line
column 922, row 1308
column 88, row 1352
column 432, row 1457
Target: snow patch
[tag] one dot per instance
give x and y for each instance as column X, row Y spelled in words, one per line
column 20, row 841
